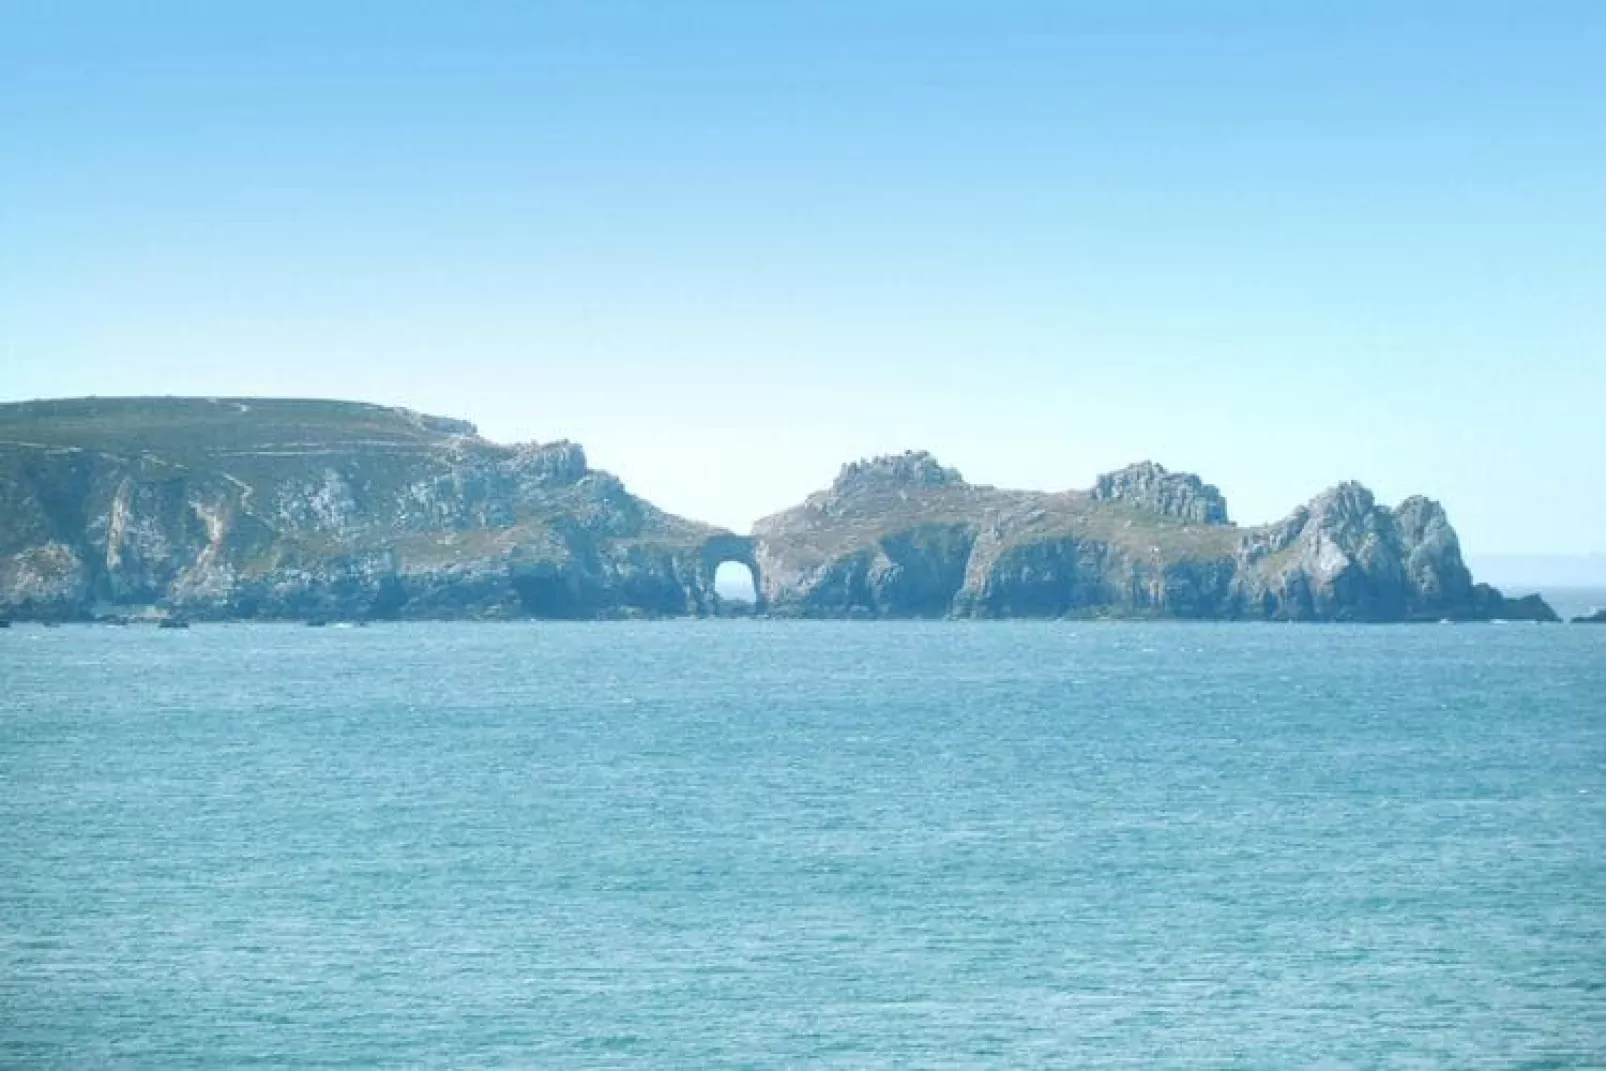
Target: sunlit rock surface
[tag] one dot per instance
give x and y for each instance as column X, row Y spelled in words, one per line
column 243, row 508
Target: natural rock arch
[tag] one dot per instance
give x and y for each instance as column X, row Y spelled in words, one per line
column 715, row 552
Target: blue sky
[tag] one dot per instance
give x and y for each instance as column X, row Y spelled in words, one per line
column 728, row 246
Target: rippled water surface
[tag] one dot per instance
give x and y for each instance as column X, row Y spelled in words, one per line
column 770, row 844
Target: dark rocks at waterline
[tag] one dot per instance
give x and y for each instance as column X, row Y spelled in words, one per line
column 274, row 509
column 1594, row 617
column 1525, row 608
column 906, row 537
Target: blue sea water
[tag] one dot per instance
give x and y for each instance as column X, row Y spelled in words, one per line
column 772, row 844
column 1574, row 602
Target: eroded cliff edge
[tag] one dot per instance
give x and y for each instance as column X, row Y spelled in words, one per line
column 906, row 537
column 258, row 508
column 241, row 508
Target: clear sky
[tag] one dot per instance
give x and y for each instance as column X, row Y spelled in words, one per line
column 730, row 245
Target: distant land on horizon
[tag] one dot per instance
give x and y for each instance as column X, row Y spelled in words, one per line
column 1539, row 571
column 286, row 508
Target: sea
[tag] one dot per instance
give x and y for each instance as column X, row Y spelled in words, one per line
column 771, row 844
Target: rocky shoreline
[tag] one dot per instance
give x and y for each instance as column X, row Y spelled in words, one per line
column 267, row 509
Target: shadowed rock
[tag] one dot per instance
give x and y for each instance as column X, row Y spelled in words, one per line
column 906, row 537
column 321, row 510
column 313, row 510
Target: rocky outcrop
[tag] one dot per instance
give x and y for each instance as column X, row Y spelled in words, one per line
column 1179, row 495
column 249, row 508
column 891, row 537
column 1344, row 557
column 906, row 537
column 897, row 474
column 1597, row 617
column 264, row 508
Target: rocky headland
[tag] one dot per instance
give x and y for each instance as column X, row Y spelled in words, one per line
column 906, row 537
column 279, row 509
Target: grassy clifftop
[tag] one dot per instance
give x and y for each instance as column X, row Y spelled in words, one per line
column 878, row 499
column 275, row 507
column 290, row 506
column 193, row 427
column 903, row 535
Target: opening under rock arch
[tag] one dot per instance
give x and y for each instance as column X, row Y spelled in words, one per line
column 736, row 588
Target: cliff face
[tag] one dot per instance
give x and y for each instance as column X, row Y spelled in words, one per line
column 1345, row 557
column 265, row 508
column 1181, row 496
column 905, row 537
column 225, row 508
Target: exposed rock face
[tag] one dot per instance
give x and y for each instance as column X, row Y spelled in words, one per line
column 891, row 537
column 1598, row 617
column 896, row 474
column 1345, row 557
column 1180, row 495
column 899, row 540
column 215, row 508
column 263, row 508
